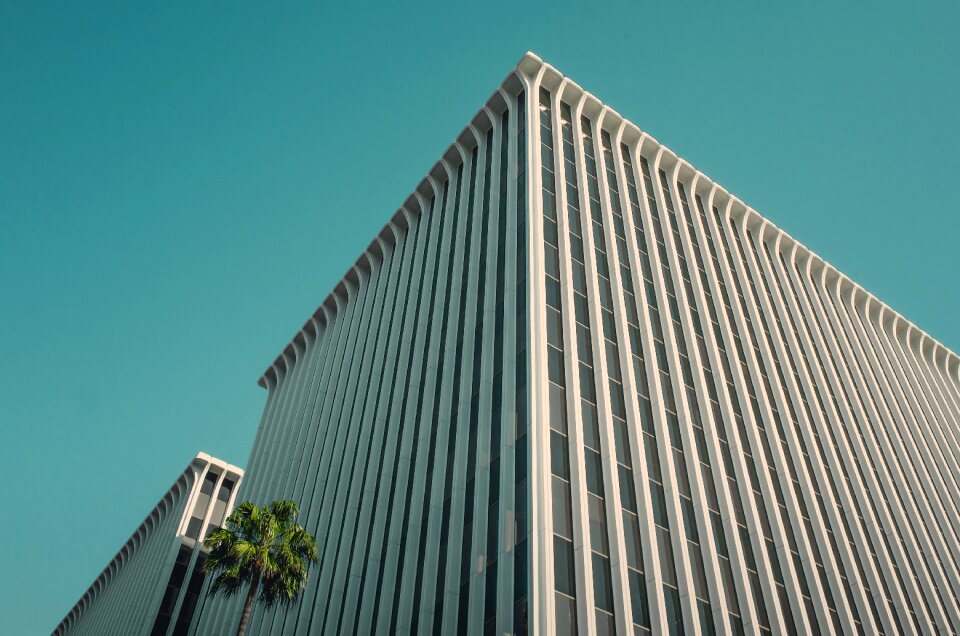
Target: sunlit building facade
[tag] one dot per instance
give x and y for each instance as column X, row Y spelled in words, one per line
column 152, row 587
column 575, row 386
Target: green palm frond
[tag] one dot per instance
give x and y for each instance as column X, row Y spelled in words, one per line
column 285, row 511
column 266, row 542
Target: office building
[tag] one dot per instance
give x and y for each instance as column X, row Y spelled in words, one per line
column 575, row 386
column 152, row 586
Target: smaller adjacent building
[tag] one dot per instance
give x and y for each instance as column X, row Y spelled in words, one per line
column 153, row 584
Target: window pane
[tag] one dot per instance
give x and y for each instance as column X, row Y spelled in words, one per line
column 659, row 505
column 710, row 488
column 554, row 328
column 674, row 617
column 559, row 461
column 193, row 527
column 622, row 440
column 605, row 625
column 591, row 428
column 219, row 514
column 613, row 361
column 646, row 415
column 566, row 615
column 584, row 345
column 638, row 598
column 550, row 231
column 758, row 599
column 594, row 472
column 225, row 489
column 632, row 545
column 587, row 389
column 558, row 408
column 628, row 498
column 553, row 293
column 562, row 518
column 580, row 279
column 726, row 577
column 490, row 595
column 653, row 458
column 549, row 183
column 706, row 619
column 602, row 590
column 609, row 326
column 580, row 309
column 555, row 365
column 563, row 572
column 719, row 537
column 598, row 525
column 617, row 405
column 209, row 481
column 683, row 481
column 689, row 519
column 667, row 567
column 696, row 569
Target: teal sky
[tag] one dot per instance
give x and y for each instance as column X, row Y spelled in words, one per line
column 181, row 186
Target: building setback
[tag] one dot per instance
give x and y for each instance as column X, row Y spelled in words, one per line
column 575, row 386
column 152, row 586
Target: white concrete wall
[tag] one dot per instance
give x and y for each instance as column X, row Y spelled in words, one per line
column 807, row 469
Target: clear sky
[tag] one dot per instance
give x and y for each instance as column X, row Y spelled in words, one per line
column 181, row 186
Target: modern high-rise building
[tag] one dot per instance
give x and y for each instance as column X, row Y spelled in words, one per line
column 152, row 586
column 575, row 386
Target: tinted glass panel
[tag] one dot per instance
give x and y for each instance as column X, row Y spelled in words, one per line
column 566, row 615
column 563, row 568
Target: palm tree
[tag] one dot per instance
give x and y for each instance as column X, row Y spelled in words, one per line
column 264, row 549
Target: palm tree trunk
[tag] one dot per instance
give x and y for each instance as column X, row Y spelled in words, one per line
column 248, row 604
